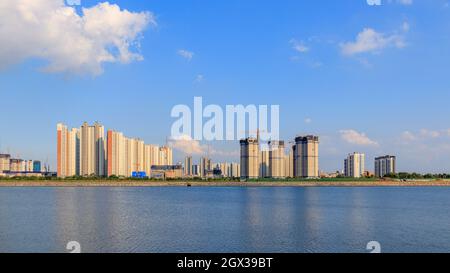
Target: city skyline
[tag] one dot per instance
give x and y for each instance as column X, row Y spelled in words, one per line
column 363, row 80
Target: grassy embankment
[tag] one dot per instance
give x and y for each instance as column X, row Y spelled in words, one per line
column 117, row 182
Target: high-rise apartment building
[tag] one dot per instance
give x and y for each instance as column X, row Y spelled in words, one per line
column 306, row 157
column 126, row 156
column 354, row 165
column 68, row 151
column 264, row 163
column 277, row 167
column 249, row 158
column 289, row 163
column 235, row 170
column 5, row 165
column 116, row 149
column 188, row 166
column 165, row 156
column 205, row 166
column 151, row 157
column 92, row 150
column 196, row 170
column 17, row 165
column 385, row 165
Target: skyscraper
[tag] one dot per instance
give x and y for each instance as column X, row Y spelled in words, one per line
column 289, row 163
column 116, row 146
column 92, row 150
column 249, row 158
column 277, row 159
column 68, row 151
column 126, row 156
column 354, row 165
column 385, row 165
column 151, row 157
column 235, row 170
column 264, row 163
column 205, row 166
column 4, row 163
column 188, row 166
column 165, row 156
column 306, row 157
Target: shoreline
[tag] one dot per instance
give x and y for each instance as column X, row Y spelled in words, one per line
column 105, row 183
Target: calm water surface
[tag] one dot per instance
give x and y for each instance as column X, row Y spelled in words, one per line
column 224, row 219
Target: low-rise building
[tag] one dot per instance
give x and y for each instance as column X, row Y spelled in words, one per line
column 167, row 171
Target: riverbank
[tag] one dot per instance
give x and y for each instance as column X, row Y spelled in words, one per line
column 134, row 183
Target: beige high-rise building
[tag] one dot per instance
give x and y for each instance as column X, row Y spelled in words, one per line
column 289, row 164
column 128, row 155
column 235, row 170
column 354, row 165
column 68, row 151
column 165, row 156
column 92, row 150
column 28, row 165
column 134, row 156
column 224, row 169
column 86, row 151
column 5, row 165
column 249, row 158
column 16, row 165
column 277, row 162
column 306, row 157
column 151, row 158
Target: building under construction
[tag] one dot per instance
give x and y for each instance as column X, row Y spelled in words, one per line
column 277, row 160
column 306, row 157
column 249, row 158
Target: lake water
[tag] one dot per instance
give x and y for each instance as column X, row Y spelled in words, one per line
column 225, row 219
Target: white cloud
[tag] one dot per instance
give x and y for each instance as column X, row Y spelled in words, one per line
column 424, row 135
column 308, row 120
column 370, row 40
column 69, row 43
column 186, row 54
column 405, row 2
column 187, row 145
column 354, row 137
column 379, row 2
column 299, row 46
column 199, row 78
column 405, row 26
column 407, row 136
column 430, row 133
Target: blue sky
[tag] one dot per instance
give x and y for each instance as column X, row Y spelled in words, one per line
column 384, row 93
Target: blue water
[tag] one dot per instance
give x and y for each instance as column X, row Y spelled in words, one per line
column 225, row 219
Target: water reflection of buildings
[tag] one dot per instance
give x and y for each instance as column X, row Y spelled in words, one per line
column 95, row 217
